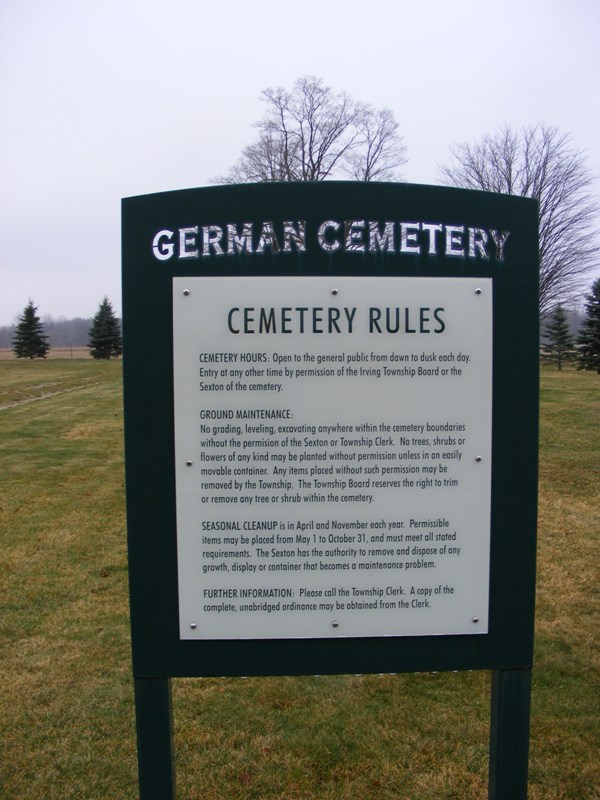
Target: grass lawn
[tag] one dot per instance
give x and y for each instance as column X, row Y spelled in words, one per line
column 66, row 710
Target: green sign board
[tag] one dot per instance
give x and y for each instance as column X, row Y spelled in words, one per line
column 331, row 429
column 331, row 442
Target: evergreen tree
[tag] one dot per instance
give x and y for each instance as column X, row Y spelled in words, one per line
column 29, row 340
column 589, row 336
column 559, row 343
column 105, row 334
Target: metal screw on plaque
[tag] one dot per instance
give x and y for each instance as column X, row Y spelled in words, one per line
column 478, row 459
column 477, row 291
column 189, row 463
column 186, row 292
column 475, row 619
column 193, row 626
column 335, row 624
column 334, row 291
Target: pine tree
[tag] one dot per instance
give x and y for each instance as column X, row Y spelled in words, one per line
column 589, row 337
column 105, row 334
column 560, row 342
column 29, row 340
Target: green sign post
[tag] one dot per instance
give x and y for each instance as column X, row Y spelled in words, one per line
column 331, row 442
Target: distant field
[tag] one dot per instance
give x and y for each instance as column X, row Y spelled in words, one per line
column 66, row 708
column 55, row 352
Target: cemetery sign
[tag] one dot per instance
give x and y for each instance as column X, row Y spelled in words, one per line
column 331, row 399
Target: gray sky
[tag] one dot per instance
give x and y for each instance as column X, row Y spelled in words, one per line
column 104, row 99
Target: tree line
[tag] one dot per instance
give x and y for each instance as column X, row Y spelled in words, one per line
column 313, row 133
column 61, row 332
column 559, row 344
column 30, row 338
column 104, row 340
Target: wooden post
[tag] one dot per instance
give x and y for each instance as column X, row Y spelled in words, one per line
column 509, row 734
column 154, row 723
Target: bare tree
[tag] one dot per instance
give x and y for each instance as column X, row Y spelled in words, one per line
column 380, row 150
column 312, row 133
column 539, row 162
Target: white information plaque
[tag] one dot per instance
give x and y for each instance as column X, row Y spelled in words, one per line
column 333, row 456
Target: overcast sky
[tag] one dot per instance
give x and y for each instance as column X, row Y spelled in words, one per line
column 104, row 99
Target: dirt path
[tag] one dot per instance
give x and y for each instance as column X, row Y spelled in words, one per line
column 45, row 395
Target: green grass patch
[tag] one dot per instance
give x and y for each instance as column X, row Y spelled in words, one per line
column 24, row 380
column 66, row 711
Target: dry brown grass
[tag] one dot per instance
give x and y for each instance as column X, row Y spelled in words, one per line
column 66, row 709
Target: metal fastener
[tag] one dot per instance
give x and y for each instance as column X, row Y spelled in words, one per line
column 193, row 626
column 477, row 291
column 186, row 292
column 478, row 458
column 334, row 291
column 189, row 463
column 335, row 624
column 475, row 619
